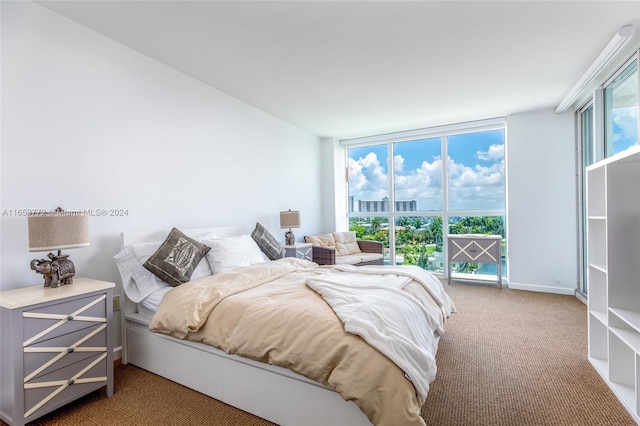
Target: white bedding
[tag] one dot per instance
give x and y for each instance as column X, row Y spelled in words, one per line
column 149, row 305
column 149, row 294
column 225, row 254
column 267, row 312
column 374, row 307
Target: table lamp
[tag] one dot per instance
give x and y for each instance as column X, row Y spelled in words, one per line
column 289, row 219
column 57, row 230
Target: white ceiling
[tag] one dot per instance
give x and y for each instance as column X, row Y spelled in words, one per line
column 358, row 68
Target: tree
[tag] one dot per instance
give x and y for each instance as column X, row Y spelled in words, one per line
column 375, row 224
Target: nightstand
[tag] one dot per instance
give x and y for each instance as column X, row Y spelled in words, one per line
column 476, row 248
column 56, row 346
column 301, row 251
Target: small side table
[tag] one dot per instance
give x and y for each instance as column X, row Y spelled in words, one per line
column 476, row 248
column 301, row 251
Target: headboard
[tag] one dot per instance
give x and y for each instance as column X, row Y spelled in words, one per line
column 137, row 237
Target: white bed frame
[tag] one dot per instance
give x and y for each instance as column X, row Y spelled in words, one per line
column 267, row 391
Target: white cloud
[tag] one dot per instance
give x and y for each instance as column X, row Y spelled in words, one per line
column 477, row 187
column 625, row 121
column 496, row 152
column 368, row 179
column 423, row 185
column 398, row 163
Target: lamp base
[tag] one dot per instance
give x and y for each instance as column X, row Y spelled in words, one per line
column 57, row 271
column 290, row 239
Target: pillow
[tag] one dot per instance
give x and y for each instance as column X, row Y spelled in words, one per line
column 227, row 254
column 346, row 243
column 268, row 243
column 323, row 240
column 177, row 258
column 137, row 281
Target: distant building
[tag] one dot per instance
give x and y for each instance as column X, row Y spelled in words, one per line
column 383, row 206
column 406, row 206
column 373, row 206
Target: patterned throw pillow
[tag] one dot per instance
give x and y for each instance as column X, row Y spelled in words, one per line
column 177, row 258
column 268, row 243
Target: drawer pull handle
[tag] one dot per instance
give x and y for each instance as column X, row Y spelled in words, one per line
column 70, row 382
column 70, row 350
column 70, row 317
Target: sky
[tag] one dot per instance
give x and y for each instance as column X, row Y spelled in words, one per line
column 475, row 167
column 625, row 128
column 621, row 98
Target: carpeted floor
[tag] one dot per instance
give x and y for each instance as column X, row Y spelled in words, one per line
column 511, row 357
column 507, row 358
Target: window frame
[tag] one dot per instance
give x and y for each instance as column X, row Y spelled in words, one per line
column 607, row 145
column 581, row 188
column 600, row 151
column 442, row 132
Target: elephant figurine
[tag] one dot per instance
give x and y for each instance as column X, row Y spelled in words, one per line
column 49, row 271
column 66, row 268
column 57, row 271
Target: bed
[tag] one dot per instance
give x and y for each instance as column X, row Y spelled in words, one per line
column 249, row 367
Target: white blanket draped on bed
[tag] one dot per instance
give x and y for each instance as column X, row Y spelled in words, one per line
column 376, row 308
column 430, row 282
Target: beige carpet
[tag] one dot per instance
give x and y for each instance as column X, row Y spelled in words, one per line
column 511, row 357
column 508, row 358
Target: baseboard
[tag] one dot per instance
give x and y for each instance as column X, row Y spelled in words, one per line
column 581, row 297
column 117, row 353
column 543, row 289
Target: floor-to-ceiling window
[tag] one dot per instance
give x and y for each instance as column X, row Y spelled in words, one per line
column 621, row 110
column 403, row 193
column 608, row 124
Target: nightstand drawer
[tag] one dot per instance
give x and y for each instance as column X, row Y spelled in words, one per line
column 65, row 384
column 474, row 251
column 301, row 251
column 46, row 356
column 50, row 321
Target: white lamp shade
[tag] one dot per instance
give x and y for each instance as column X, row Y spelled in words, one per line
column 290, row 219
column 58, row 231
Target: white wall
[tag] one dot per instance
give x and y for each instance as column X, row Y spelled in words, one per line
column 124, row 131
column 334, row 186
column 541, row 202
column 90, row 124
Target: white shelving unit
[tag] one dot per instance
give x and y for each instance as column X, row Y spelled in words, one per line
column 613, row 245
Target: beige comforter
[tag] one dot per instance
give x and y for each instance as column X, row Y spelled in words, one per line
column 267, row 313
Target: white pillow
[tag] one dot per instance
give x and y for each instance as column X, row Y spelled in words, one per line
column 137, row 281
column 322, row 240
column 346, row 243
column 230, row 253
